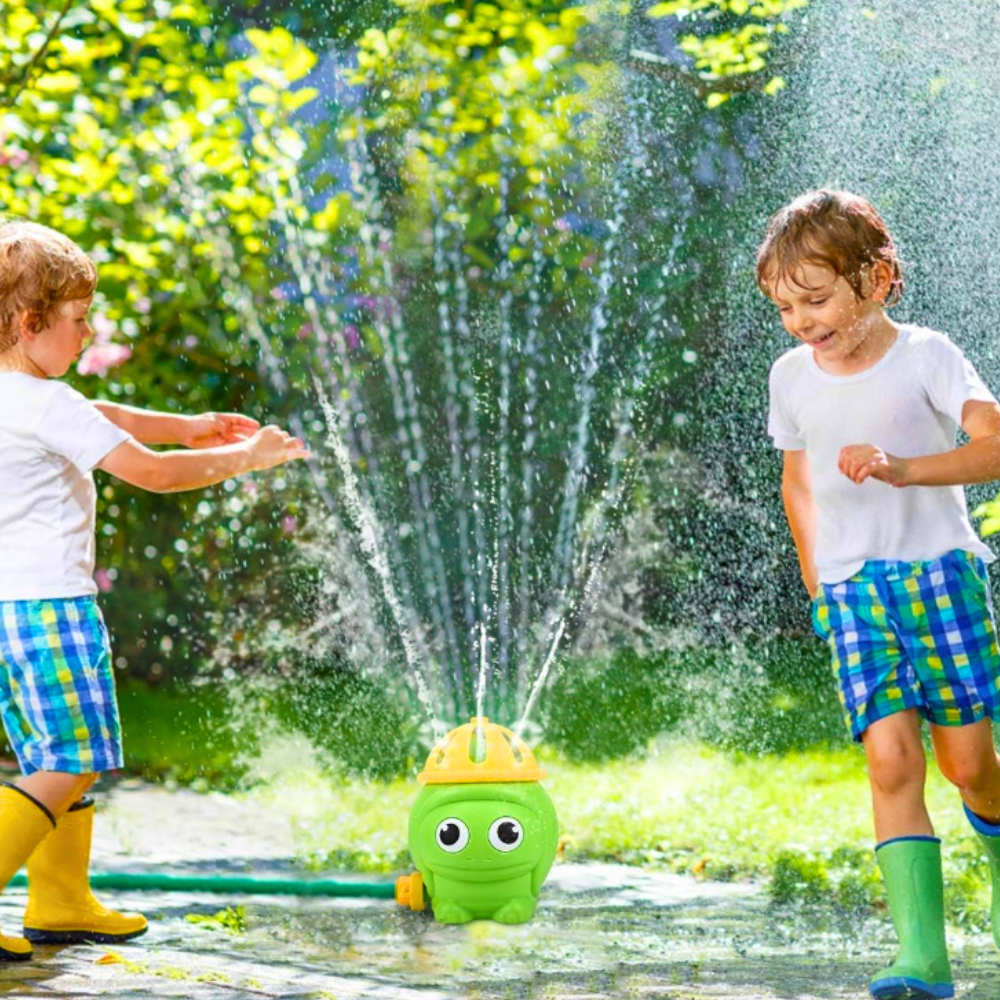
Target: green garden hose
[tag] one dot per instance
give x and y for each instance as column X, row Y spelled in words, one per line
column 231, row 884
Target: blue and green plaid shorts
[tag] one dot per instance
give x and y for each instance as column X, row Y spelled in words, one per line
column 913, row 635
column 57, row 689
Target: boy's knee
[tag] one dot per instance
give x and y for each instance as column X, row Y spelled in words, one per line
column 971, row 772
column 895, row 764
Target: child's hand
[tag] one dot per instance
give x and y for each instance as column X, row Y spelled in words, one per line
column 209, row 430
column 859, row 461
column 272, row 446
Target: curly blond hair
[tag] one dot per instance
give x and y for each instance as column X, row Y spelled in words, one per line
column 39, row 269
column 836, row 229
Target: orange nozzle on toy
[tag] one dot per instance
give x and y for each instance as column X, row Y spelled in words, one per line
column 481, row 751
column 410, row 891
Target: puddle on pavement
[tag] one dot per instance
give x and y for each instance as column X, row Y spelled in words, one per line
column 603, row 932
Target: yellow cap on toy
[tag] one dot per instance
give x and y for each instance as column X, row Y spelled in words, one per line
column 479, row 752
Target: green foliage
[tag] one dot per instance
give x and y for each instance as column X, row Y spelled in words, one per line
column 604, row 712
column 846, row 876
column 232, row 919
column 355, row 720
column 480, row 108
column 189, row 735
column 760, row 697
column 989, row 513
column 857, row 891
column 795, row 877
column 735, row 42
column 133, row 129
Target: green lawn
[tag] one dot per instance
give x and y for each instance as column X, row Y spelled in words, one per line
column 800, row 821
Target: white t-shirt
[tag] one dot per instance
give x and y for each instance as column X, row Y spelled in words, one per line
column 51, row 437
column 909, row 403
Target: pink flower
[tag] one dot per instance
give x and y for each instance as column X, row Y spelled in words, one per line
column 102, row 355
column 99, row 359
column 17, row 158
column 103, row 581
column 289, row 524
column 103, row 328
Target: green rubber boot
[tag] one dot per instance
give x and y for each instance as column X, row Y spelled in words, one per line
column 989, row 834
column 911, row 867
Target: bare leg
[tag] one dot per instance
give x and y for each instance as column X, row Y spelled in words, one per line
column 896, row 772
column 56, row 790
column 967, row 757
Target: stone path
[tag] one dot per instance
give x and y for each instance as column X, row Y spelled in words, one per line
column 603, row 932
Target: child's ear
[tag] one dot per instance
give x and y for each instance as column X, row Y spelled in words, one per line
column 31, row 322
column 880, row 277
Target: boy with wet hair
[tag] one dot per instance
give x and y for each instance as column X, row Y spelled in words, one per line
column 866, row 412
column 57, row 696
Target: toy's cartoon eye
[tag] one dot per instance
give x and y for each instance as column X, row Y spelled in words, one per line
column 506, row 834
column 452, row 835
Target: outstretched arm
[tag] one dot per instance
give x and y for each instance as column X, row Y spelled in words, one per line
column 205, row 430
column 800, row 509
column 174, row 471
column 975, row 462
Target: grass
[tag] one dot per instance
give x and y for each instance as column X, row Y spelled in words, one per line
column 800, row 821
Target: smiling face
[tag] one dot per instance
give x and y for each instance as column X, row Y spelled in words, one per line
column 481, row 840
column 820, row 308
column 51, row 348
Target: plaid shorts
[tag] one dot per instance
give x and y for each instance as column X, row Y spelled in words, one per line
column 913, row 635
column 57, row 690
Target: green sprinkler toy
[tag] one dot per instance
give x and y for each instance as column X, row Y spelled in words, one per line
column 483, row 831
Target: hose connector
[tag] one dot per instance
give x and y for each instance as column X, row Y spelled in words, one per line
column 410, row 891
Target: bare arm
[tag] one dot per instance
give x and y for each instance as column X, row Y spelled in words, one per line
column 146, row 426
column 174, row 471
column 975, row 462
column 205, row 430
column 800, row 509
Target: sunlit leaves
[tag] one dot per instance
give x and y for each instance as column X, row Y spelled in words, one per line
column 61, row 82
column 734, row 40
column 129, row 131
column 281, row 58
column 989, row 513
column 473, row 95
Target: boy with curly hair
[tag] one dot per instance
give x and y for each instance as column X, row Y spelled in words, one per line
column 866, row 412
column 57, row 696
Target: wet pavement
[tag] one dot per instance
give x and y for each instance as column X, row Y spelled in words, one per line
column 603, row 932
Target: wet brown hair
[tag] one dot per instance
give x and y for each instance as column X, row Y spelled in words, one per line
column 834, row 229
column 39, row 270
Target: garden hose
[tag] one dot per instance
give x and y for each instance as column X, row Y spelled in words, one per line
column 231, row 884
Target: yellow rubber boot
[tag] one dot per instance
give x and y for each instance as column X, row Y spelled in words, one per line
column 61, row 907
column 23, row 824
